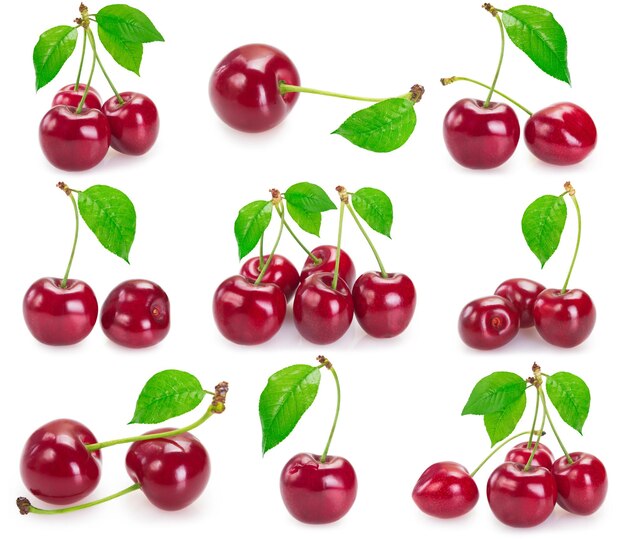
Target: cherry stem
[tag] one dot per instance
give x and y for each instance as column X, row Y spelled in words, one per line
column 383, row 273
column 532, row 453
column 26, row 507
column 289, row 88
column 68, row 192
column 266, row 265
column 495, row 78
column 92, row 41
column 316, row 260
column 571, row 268
column 87, row 86
column 261, row 257
column 338, row 254
column 449, row 80
column 82, row 59
column 509, row 439
column 332, row 430
column 532, row 430
column 556, row 435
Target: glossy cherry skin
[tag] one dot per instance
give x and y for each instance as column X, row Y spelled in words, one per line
column 383, row 306
column 521, row 453
column 173, row 472
column 522, row 293
column 281, row 272
column 445, row 490
column 328, row 256
column 488, row 323
column 68, row 96
column 55, row 465
column 564, row 320
column 561, row 134
column 246, row 313
column 318, row 492
column 60, row 316
column 244, row 87
column 136, row 314
column 479, row 137
column 322, row 315
column 582, row 485
column 72, row 141
column 521, row 498
column 134, row 124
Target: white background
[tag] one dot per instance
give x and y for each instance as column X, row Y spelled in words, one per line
column 456, row 233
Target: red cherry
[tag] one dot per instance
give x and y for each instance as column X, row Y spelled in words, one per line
column 172, row 471
column 244, row 87
column 60, row 316
column 281, row 273
column 561, row 134
column 521, row 498
column 327, row 254
column 383, row 306
column 521, row 453
column 322, row 315
column 582, row 485
column 318, row 492
column 488, row 323
column 522, row 293
column 564, row 319
column 246, row 313
column 479, row 137
column 74, row 141
column 134, row 124
column 136, row 314
column 68, row 96
column 55, row 465
column 445, row 490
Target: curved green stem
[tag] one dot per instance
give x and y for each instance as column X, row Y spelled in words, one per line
column 532, row 430
column 556, row 435
column 315, row 259
column 261, row 256
column 571, row 268
column 338, row 254
column 92, row 41
column 500, row 446
column 450, row 80
column 383, row 273
column 289, row 88
column 87, row 86
column 82, row 59
column 267, row 263
column 77, row 221
column 532, row 453
column 495, row 78
column 332, row 430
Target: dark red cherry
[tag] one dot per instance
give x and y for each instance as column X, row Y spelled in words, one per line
column 55, row 465
column 479, row 137
column 136, row 314
column 318, row 492
column 327, row 254
column 69, row 96
column 173, row 472
column 561, row 134
column 521, row 453
column 488, row 323
column 244, row 87
column 60, row 316
column 134, row 124
column 281, row 273
column 522, row 293
column 445, row 490
column 582, row 485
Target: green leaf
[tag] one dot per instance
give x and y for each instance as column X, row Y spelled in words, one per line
column 125, row 53
column 375, row 208
column 382, row 127
column 51, row 52
column 110, row 215
column 250, row 224
column 308, row 221
column 287, row 395
column 494, row 393
column 501, row 424
column 309, row 197
column 542, row 225
column 571, row 398
column 535, row 31
column 167, row 394
column 128, row 24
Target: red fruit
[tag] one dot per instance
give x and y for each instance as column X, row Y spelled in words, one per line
column 327, row 254
column 522, row 293
column 582, row 485
column 488, row 323
column 68, row 96
column 134, row 124
column 281, row 272
column 521, row 453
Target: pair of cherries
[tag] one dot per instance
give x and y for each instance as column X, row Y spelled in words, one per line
column 562, row 318
column 135, row 314
column 75, row 138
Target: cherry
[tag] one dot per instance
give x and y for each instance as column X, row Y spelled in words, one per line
column 522, row 294
column 488, row 323
column 244, row 87
column 582, row 485
column 521, row 453
column 73, row 140
column 134, row 124
column 136, row 314
column 561, row 134
column 521, row 498
column 69, row 96
column 564, row 319
column 322, row 315
column 281, row 273
column 328, row 255
column 172, row 471
column 318, row 492
column 445, row 490
column 246, row 313
column 383, row 306
column 55, row 465
column 60, row 316
column 480, row 137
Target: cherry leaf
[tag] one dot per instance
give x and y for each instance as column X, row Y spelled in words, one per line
column 126, row 53
column 250, row 225
column 309, row 197
column 375, row 208
column 51, row 52
column 128, row 24
column 571, row 397
column 501, row 424
column 308, row 221
column 542, row 225
column 494, row 393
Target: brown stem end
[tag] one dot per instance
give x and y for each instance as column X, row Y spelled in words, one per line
column 447, row 80
column 417, row 91
column 219, row 398
column 343, row 193
column 570, row 189
column 64, row 188
column 490, row 9
column 324, row 361
column 23, row 505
